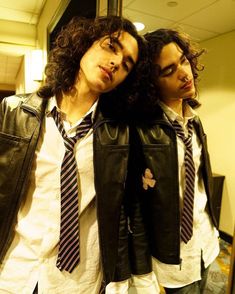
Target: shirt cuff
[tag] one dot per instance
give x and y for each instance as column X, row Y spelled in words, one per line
column 117, row 287
column 144, row 284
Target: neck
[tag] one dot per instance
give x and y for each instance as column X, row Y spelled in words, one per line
column 176, row 105
column 76, row 103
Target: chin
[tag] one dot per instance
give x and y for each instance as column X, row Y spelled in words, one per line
column 101, row 88
column 191, row 94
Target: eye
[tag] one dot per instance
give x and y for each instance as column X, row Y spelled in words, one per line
column 111, row 46
column 167, row 72
column 125, row 66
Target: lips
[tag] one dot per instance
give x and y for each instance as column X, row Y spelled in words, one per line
column 107, row 72
column 187, row 85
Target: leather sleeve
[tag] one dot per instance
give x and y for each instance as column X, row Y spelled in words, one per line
column 111, row 152
column 122, row 268
column 2, row 110
column 139, row 252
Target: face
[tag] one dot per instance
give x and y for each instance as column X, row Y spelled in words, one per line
column 176, row 80
column 108, row 62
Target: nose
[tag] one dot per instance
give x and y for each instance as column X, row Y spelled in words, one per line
column 115, row 62
column 113, row 66
column 183, row 74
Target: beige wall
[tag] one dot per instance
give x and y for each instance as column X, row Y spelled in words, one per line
column 50, row 9
column 7, row 87
column 217, row 95
column 20, row 78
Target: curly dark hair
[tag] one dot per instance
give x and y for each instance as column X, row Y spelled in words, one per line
column 161, row 37
column 72, row 43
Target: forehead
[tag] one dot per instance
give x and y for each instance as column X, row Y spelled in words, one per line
column 170, row 54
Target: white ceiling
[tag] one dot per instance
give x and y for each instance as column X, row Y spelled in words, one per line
column 18, row 20
column 202, row 19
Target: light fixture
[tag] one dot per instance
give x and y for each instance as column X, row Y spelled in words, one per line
column 172, row 3
column 139, row 26
column 37, row 65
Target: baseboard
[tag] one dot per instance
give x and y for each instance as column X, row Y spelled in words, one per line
column 226, row 237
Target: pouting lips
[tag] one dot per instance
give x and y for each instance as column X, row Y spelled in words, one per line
column 187, row 85
column 107, row 72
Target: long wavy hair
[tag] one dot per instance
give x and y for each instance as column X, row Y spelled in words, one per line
column 156, row 41
column 72, row 43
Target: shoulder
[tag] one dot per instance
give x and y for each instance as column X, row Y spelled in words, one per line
column 14, row 101
column 32, row 103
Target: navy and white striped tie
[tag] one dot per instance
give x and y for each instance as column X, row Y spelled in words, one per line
column 188, row 199
column 69, row 255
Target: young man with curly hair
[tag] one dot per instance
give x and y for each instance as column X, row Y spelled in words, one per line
column 83, row 102
column 177, row 180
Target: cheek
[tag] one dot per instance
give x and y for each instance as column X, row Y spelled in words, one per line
column 163, row 86
column 168, row 88
column 84, row 65
column 170, row 84
column 88, row 61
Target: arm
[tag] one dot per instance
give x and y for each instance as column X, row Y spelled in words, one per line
column 143, row 280
column 140, row 258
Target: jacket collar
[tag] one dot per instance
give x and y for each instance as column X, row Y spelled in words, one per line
column 34, row 103
column 37, row 105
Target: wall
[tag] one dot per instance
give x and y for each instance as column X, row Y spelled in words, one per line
column 217, row 95
column 20, row 78
column 50, row 9
column 6, row 87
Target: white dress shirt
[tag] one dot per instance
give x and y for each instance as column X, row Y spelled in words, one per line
column 204, row 241
column 31, row 258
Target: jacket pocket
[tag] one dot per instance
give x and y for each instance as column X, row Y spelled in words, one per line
column 12, row 154
column 112, row 163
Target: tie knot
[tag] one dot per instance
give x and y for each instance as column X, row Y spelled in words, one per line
column 81, row 130
column 181, row 134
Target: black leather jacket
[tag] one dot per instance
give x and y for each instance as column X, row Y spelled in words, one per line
column 161, row 203
column 20, row 125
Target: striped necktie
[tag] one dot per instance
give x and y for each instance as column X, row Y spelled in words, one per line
column 188, row 199
column 69, row 255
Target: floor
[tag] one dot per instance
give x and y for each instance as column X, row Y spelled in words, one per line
column 219, row 270
column 218, row 275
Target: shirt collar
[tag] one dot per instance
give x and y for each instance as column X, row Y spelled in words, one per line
column 189, row 113
column 53, row 103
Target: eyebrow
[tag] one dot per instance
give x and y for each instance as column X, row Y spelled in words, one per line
column 129, row 58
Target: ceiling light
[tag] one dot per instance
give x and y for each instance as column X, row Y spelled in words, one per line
column 139, row 26
column 37, row 61
column 172, row 3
